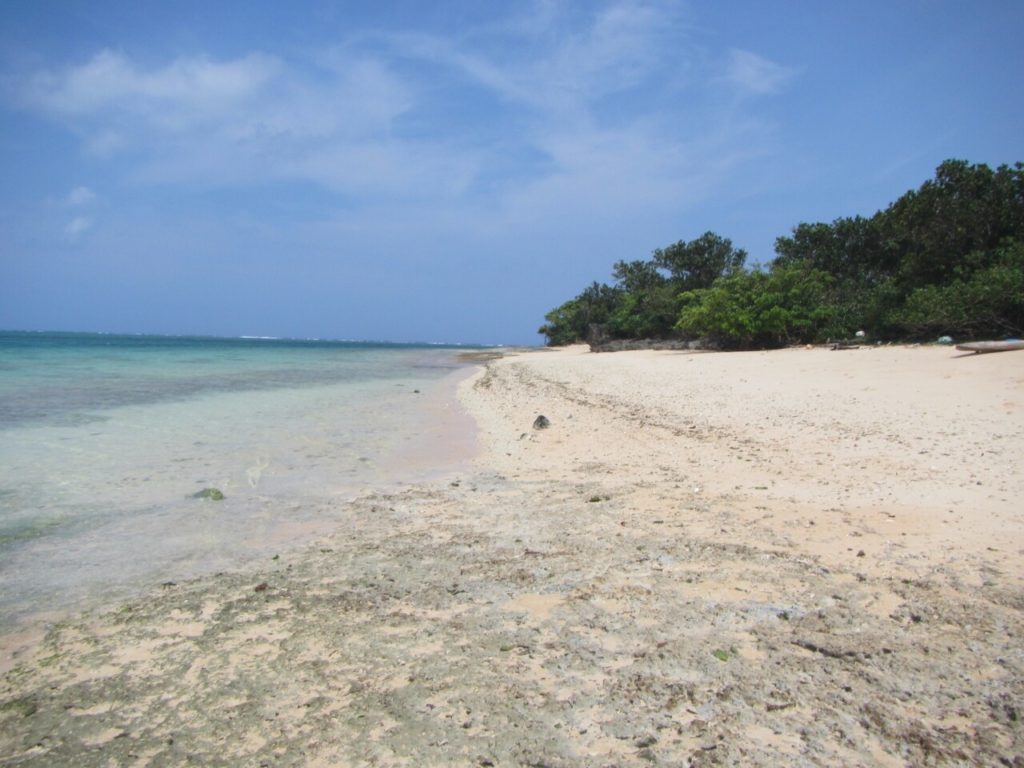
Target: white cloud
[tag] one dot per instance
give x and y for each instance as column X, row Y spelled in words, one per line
column 105, row 143
column 110, row 80
column 80, row 196
column 549, row 61
column 77, row 227
column 619, row 49
column 400, row 171
column 256, row 100
column 756, row 74
column 370, row 118
column 250, row 96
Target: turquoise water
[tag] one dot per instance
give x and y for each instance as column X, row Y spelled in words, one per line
column 105, row 439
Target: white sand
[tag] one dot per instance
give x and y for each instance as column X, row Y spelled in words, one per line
column 912, row 455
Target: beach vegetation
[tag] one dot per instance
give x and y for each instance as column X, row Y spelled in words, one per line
column 572, row 321
column 986, row 301
column 645, row 300
column 759, row 308
column 699, row 263
column 944, row 259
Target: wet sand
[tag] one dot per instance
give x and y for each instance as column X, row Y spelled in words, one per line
column 792, row 557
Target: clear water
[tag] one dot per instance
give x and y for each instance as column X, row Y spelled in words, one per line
column 105, row 439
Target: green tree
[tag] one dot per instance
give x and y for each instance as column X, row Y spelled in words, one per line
column 760, row 309
column 698, row 263
column 645, row 314
column 988, row 302
column 944, row 258
column 854, row 250
column 934, row 247
column 648, row 305
column 966, row 209
column 637, row 276
column 572, row 321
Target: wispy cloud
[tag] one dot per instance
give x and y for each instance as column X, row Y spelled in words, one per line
column 547, row 60
column 256, row 95
column 80, row 196
column 77, row 227
column 755, row 74
column 110, row 80
column 422, row 117
column 81, row 202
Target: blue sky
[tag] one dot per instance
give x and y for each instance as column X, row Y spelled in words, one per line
column 450, row 171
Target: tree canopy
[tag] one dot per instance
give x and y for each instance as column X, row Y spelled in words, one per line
column 945, row 258
column 645, row 300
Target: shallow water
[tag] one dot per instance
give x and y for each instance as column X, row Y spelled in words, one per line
column 104, row 440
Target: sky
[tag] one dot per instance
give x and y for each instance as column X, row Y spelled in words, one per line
column 451, row 171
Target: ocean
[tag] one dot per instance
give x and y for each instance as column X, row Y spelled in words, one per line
column 106, row 439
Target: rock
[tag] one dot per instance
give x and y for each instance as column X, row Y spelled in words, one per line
column 541, row 422
column 213, row 494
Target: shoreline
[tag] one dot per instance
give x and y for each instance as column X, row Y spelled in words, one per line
column 726, row 558
column 439, row 440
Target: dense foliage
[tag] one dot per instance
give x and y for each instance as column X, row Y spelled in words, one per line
column 646, row 298
column 947, row 258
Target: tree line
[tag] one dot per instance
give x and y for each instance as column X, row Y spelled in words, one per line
column 946, row 258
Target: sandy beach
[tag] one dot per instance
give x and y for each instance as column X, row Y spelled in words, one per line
column 797, row 557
